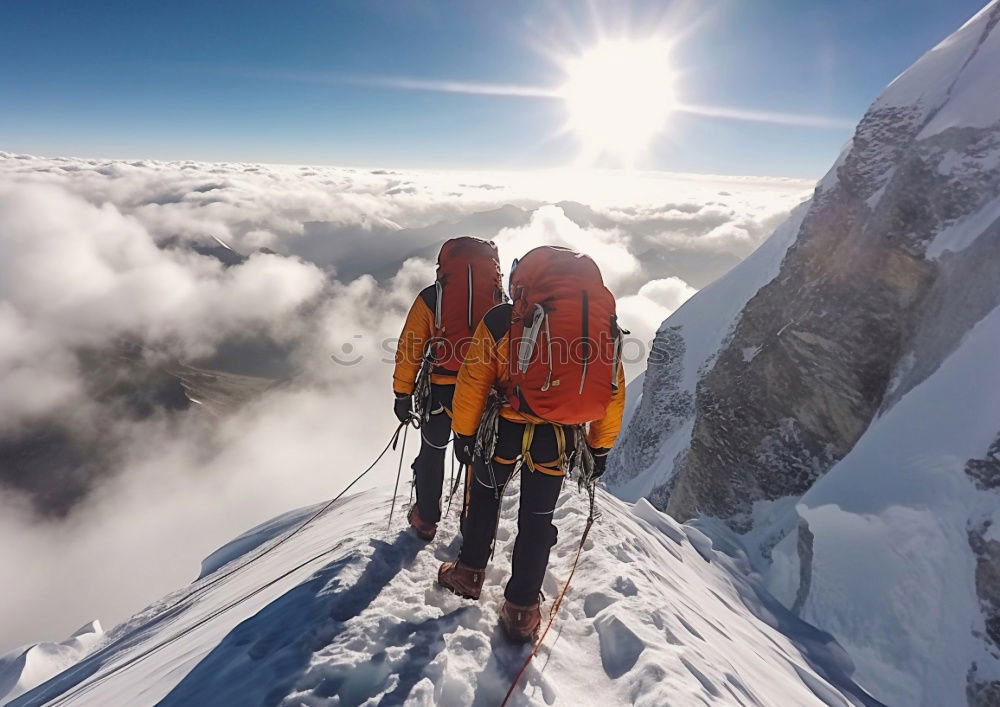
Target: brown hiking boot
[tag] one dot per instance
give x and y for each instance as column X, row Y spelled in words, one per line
column 461, row 579
column 424, row 531
column 520, row 623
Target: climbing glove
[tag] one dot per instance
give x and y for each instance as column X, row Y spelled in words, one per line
column 465, row 446
column 600, row 455
column 402, row 406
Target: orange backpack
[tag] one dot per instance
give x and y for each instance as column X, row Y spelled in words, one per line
column 565, row 343
column 468, row 285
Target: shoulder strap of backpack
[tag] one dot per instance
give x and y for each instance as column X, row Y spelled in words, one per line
column 497, row 320
column 430, row 296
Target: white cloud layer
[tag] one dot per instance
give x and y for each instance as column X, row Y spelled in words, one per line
column 97, row 254
column 645, row 311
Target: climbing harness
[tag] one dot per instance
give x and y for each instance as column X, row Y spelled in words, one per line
column 561, row 465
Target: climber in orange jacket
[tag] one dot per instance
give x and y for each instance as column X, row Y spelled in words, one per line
column 437, row 332
column 542, row 401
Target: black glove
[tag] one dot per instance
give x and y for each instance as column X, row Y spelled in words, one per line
column 402, row 406
column 465, row 447
column 600, row 455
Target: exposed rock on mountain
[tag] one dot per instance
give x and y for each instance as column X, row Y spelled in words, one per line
column 875, row 304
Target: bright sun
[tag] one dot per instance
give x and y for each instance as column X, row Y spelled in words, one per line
column 619, row 95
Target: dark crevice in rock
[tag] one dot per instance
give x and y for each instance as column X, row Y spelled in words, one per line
column 985, row 472
column 805, row 551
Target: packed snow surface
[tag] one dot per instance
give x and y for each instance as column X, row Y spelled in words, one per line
column 24, row 668
column 956, row 84
column 346, row 612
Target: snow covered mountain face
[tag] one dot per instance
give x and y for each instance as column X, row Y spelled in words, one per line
column 344, row 611
column 25, row 668
column 833, row 401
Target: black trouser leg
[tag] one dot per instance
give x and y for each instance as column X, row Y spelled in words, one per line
column 428, row 467
column 535, row 536
column 483, row 512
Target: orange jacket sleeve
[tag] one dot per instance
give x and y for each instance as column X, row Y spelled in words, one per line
column 475, row 380
column 603, row 433
column 417, row 330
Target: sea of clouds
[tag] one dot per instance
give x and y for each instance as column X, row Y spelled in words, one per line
column 191, row 262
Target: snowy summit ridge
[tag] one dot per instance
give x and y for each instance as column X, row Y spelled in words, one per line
column 346, row 612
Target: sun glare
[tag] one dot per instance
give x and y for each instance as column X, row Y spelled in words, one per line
column 619, row 96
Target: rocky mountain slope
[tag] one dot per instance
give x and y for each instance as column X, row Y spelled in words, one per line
column 763, row 390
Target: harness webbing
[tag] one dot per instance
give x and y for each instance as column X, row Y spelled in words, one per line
column 561, row 463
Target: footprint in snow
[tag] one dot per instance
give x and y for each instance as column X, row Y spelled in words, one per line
column 595, row 603
column 621, row 553
column 620, row 647
column 625, row 587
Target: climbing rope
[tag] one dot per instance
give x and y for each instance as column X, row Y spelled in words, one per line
column 86, row 687
column 399, row 472
column 81, row 689
column 456, row 479
column 559, row 599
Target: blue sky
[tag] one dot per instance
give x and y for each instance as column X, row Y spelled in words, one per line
column 290, row 81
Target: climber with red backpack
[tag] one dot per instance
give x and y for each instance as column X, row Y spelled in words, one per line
column 432, row 345
column 541, row 391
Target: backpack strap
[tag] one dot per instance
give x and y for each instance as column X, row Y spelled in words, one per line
column 469, row 296
column 438, row 296
column 617, row 358
column 497, row 320
column 430, row 297
column 585, row 340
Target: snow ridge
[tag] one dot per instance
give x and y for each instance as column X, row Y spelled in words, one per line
column 654, row 615
column 23, row 669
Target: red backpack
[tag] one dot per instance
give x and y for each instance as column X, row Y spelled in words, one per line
column 468, row 285
column 565, row 344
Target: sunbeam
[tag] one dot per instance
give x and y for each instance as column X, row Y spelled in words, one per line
column 798, row 120
column 485, row 88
